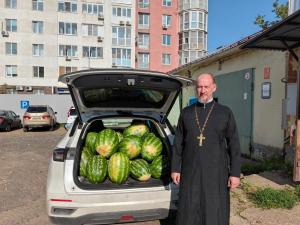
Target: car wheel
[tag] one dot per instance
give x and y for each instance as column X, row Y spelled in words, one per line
column 8, row 128
column 25, row 129
column 52, row 126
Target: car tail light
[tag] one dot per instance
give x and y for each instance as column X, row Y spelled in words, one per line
column 26, row 117
column 1, row 119
column 45, row 117
column 59, row 154
column 126, row 218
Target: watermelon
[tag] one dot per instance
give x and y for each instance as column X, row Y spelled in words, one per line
column 85, row 156
column 137, row 129
column 151, row 148
column 140, row 170
column 106, row 142
column 118, row 168
column 120, row 136
column 96, row 169
column 131, row 146
column 160, row 167
column 90, row 142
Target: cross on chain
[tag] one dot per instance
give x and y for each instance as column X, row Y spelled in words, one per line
column 201, row 139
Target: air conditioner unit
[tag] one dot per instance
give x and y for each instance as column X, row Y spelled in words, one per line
column 164, row 27
column 28, row 88
column 122, row 23
column 128, row 23
column 68, row 58
column 4, row 33
column 114, row 65
column 19, row 88
column 100, row 16
column 100, row 39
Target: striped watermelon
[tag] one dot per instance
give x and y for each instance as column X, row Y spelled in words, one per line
column 96, row 169
column 151, row 148
column 131, row 146
column 106, row 142
column 120, row 136
column 90, row 142
column 118, row 168
column 85, row 156
column 140, row 170
column 160, row 167
column 137, row 129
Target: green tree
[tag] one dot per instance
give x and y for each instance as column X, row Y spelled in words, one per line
column 280, row 10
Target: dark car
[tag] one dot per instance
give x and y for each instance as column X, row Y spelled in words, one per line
column 9, row 120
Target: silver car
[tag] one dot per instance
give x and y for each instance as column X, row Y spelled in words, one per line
column 112, row 98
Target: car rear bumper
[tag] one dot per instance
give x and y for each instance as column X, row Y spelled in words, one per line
column 37, row 124
column 116, row 217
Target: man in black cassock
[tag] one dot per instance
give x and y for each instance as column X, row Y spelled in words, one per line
column 205, row 159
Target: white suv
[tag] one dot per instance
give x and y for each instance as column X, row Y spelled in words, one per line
column 112, row 98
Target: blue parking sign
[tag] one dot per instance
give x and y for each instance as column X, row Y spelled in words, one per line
column 24, row 104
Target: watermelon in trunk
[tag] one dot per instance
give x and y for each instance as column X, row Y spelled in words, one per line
column 118, row 168
column 131, row 146
column 85, row 156
column 90, row 141
column 137, row 130
column 106, row 142
column 96, row 169
column 160, row 167
column 151, row 148
column 140, row 170
column 120, row 136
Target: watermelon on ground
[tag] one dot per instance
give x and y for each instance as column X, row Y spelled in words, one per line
column 131, row 146
column 151, row 148
column 140, row 170
column 136, row 129
column 106, row 142
column 118, row 168
column 96, row 169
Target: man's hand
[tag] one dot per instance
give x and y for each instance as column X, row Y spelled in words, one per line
column 175, row 177
column 233, row 182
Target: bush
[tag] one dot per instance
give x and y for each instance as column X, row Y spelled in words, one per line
column 297, row 192
column 269, row 198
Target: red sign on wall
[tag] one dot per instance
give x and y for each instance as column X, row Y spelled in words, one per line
column 267, row 73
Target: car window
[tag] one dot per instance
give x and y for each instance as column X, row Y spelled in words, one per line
column 2, row 113
column 13, row 114
column 36, row 109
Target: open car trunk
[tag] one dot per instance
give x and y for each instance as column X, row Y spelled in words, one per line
column 119, row 124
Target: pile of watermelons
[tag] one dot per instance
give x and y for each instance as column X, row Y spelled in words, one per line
column 136, row 152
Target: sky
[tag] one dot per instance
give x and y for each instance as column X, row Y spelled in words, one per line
column 232, row 20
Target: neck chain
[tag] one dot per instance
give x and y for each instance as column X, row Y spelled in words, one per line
column 201, row 136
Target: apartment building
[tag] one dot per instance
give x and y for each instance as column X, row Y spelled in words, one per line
column 42, row 39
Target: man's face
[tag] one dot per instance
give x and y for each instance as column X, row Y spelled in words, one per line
column 205, row 87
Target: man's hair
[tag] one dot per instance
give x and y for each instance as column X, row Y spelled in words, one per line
column 210, row 74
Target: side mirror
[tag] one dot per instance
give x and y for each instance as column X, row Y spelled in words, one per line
column 55, row 112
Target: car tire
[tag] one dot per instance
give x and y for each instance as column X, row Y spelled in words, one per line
column 52, row 126
column 25, row 129
column 8, row 128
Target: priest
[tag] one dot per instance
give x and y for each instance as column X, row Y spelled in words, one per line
column 205, row 158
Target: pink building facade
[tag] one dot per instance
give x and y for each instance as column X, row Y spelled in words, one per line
column 157, row 30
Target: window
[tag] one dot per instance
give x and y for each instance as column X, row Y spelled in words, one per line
column 92, row 8
column 121, row 36
column 11, row 4
column 66, row 69
column 166, row 20
column 143, row 61
column 166, row 59
column 10, row 48
column 144, row 3
column 38, row 5
column 11, row 25
column 121, row 12
column 38, row 91
column 121, row 57
column 67, row 28
column 92, row 52
column 92, row 30
column 67, row 6
column 38, row 27
column 11, row 71
column 166, row 39
column 68, row 50
column 38, row 71
column 143, row 20
column 37, row 49
column 167, row 2
column 143, row 40
column 194, row 20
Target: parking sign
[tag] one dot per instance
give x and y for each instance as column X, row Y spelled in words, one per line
column 24, row 104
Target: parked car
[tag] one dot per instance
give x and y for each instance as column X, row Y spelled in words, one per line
column 39, row 116
column 9, row 120
column 112, row 98
column 71, row 116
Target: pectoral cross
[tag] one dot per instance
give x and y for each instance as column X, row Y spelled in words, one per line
column 201, row 139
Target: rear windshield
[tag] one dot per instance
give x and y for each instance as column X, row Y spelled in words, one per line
column 121, row 97
column 2, row 113
column 36, row 109
column 73, row 112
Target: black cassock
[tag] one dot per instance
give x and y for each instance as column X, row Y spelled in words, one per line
column 203, row 194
